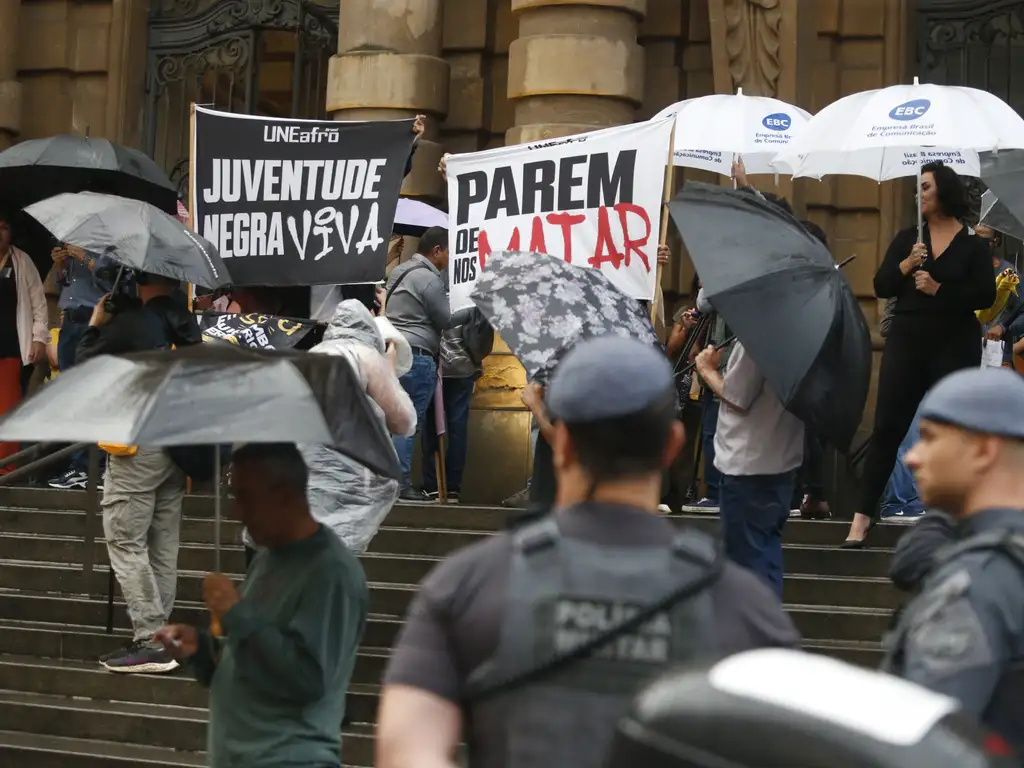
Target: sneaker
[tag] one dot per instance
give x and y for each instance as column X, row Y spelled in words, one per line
column 70, row 479
column 911, row 515
column 518, row 500
column 705, row 506
column 131, row 647
column 665, row 509
column 434, row 497
column 412, row 496
column 143, row 658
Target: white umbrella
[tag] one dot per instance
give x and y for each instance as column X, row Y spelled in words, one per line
column 890, row 132
column 711, row 131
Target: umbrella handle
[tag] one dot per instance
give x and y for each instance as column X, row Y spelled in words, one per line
column 692, row 365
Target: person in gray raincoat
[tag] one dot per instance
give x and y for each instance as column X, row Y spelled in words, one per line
column 344, row 495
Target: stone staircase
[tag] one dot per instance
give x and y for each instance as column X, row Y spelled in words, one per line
column 60, row 709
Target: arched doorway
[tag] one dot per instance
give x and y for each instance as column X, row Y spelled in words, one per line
column 266, row 57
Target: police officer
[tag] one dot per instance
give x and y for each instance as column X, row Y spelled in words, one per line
column 963, row 635
column 488, row 651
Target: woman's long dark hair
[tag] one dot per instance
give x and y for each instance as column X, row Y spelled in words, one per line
column 950, row 190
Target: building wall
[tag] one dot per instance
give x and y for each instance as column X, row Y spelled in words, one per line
column 81, row 67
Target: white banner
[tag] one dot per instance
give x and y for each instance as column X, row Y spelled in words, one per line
column 594, row 199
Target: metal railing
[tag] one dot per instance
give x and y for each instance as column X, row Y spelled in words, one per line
column 92, row 503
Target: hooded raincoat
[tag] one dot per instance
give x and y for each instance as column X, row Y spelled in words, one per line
column 344, row 495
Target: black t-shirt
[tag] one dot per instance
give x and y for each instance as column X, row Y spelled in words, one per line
column 10, row 346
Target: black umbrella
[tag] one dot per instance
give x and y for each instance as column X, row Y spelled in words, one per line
column 208, row 394
column 133, row 233
column 38, row 169
column 33, row 238
column 541, row 306
column 781, row 294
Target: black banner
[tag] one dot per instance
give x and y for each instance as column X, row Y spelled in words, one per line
column 298, row 202
column 253, row 330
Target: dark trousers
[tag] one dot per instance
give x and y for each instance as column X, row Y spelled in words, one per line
column 457, row 395
column 811, row 476
column 918, row 352
column 708, row 427
column 67, row 342
column 542, row 482
column 754, row 510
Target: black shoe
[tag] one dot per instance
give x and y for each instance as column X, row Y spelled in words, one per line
column 863, row 542
column 142, row 659
column 131, row 647
column 413, row 496
column 72, row 479
column 434, row 497
column 518, row 500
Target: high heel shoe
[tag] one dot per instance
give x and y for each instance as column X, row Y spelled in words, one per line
column 862, row 542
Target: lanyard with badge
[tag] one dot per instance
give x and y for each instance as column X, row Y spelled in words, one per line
column 6, row 268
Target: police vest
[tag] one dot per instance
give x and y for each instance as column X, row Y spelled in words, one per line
column 1005, row 712
column 563, row 593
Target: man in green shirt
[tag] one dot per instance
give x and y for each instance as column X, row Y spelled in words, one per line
column 279, row 672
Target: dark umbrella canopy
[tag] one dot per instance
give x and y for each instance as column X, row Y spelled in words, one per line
column 208, row 394
column 541, row 306
column 780, row 292
column 133, row 233
column 35, row 170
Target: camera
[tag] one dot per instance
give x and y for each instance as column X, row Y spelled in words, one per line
column 118, row 281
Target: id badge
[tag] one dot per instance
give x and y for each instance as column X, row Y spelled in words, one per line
column 6, row 272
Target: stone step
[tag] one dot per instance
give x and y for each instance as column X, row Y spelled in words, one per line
column 393, row 578
column 806, row 559
column 86, row 679
column 814, row 621
column 197, row 528
column 172, row 727
column 32, row 750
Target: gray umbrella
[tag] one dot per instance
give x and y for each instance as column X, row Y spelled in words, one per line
column 133, row 233
column 1003, row 173
column 35, row 170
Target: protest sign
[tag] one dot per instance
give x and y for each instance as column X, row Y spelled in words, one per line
column 594, row 199
column 297, row 202
column 253, row 330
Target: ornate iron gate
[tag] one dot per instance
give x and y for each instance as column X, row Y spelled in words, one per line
column 977, row 43
column 265, row 57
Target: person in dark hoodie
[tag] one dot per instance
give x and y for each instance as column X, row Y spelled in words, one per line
column 143, row 486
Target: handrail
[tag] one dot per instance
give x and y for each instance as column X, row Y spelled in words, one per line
column 41, row 462
column 24, row 454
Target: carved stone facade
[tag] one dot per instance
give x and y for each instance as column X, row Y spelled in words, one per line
column 485, row 72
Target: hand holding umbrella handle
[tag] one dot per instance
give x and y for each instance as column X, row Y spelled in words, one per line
column 690, row 367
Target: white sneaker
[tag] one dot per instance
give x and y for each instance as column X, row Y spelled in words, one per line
column 665, row 509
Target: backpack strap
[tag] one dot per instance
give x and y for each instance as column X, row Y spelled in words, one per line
column 1008, row 543
column 399, row 279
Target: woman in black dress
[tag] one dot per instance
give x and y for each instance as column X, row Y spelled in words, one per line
column 938, row 285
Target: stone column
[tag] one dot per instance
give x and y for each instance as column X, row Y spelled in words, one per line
column 575, row 67
column 389, row 66
column 10, row 88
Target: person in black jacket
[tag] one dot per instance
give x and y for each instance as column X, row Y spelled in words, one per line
column 143, row 487
column 939, row 283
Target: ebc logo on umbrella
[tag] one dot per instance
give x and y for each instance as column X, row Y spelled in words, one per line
column 910, row 110
column 777, row 121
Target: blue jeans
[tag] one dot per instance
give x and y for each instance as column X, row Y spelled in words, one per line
column 754, row 510
column 708, row 427
column 901, row 491
column 457, row 395
column 67, row 342
column 419, row 384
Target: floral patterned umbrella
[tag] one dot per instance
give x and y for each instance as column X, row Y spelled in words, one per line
column 541, row 306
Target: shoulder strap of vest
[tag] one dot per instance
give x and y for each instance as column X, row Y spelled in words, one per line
column 689, row 546
column 536, row 535
column 1010, row 544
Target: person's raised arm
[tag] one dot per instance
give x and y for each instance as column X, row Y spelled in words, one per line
column 383, row 387
column 901, row 258
column 297, row 661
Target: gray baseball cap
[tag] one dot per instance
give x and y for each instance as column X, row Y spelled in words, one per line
column 607, row 378
column 985, row 400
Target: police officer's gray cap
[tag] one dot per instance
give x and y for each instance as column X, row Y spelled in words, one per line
column 985, row 400
column 607, row 378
